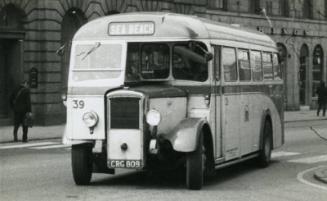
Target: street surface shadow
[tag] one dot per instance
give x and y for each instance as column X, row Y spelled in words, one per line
column 234, row 171
column 145, row 180
column 176, row 179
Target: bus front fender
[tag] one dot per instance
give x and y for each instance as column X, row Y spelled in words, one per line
column 185, row 136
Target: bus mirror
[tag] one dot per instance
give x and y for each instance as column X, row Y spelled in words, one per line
column 208, row 56
column 60, row 51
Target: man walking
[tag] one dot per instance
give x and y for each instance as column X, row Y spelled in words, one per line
column 20, row 102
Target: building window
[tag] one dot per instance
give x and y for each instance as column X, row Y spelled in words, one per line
column 304, row 54
column 284, row 8
column 255, row 6
column 317, row 70
column 219, row 4
column 11, row 17
column 307, row 9
column 269, row 8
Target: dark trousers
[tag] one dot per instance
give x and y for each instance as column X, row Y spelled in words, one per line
column 19, row 120
column 321, row 106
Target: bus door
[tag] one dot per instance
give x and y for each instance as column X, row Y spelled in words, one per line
column 230, row 104
column 216, row 90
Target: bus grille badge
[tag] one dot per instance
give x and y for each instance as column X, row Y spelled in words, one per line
column 153, row 148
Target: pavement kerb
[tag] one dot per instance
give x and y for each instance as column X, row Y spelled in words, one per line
column 321, row 175
column 32, row 140
column 304, row 120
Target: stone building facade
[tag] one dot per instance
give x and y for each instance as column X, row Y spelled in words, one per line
column 32, row 32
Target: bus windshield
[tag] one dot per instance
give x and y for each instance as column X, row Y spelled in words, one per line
column 98, row 56
column 147, row 61
column 162, row 61
column 97, row 61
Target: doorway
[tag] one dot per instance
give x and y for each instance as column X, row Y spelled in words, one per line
column 304, row 53
column 10, row 72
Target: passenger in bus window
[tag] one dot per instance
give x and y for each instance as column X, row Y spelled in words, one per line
column 155, row 61
column 322, row 93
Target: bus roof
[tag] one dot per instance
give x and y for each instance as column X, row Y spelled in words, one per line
column 171, row 26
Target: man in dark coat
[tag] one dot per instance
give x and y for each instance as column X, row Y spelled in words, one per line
column 322, row 97
column 20, row 102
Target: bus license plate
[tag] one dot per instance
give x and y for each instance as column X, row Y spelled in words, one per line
column 124, row 164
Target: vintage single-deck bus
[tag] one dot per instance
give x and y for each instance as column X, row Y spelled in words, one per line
column 152, row 91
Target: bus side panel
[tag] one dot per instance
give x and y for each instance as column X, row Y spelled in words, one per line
column 167, row 107
column 264, row 102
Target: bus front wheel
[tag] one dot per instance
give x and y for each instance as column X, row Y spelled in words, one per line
column 266, row 146
column 195, row 167
column 82, row 164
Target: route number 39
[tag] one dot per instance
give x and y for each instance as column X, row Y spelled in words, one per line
column 78, row 104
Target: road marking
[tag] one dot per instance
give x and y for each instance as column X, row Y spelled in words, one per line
column 50, row 147
column 278, row 154
column 310, row 160
column 27, row 145
column 300, row 177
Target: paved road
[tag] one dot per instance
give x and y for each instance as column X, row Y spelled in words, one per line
column 40, row 170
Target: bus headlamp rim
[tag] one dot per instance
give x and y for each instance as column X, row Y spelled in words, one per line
column 153, row 117
column 90, row 119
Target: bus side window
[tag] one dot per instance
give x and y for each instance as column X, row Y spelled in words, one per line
column 256, row 65
column 244, row 65
column 229, row 64
column 277, row 67
column 267, row 66
column 217, row 63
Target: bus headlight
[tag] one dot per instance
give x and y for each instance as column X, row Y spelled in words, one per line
column 90, row 119
column 153, row 117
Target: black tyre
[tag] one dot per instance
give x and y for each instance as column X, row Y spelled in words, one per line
column 195, row 167
column 82, row 164
column 266, row 146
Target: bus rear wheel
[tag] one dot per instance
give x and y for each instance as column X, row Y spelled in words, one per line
column 266, row 146
column 195, row 167
column 82, row 164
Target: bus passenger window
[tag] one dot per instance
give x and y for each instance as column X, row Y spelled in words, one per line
column 244, row 65
column 229, row 64
column 277, row 68
column 189, row 64
column 155, row 61
column 267, row 66
column 256, row 65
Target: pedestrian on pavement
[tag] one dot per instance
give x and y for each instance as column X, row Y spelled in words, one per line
column 322, row 97
column 20, row 102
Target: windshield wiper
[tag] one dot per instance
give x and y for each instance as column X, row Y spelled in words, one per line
column 96, row 46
